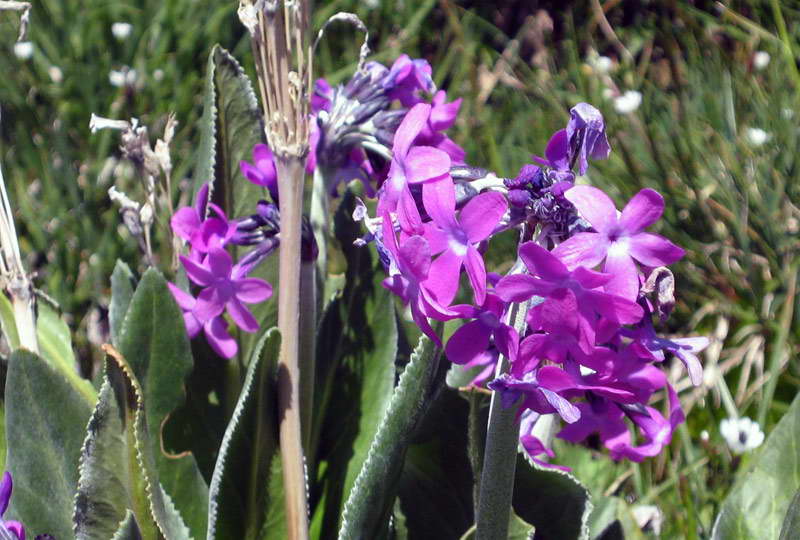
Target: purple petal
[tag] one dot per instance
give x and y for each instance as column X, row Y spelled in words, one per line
column 436, row 237
column 566, row 410
column 476, row 271
column 185, row 222
column 412, row 124
column 594, row 206
column 209, row 304
column 426, row 163
column 241, row 315
column 419, row 317
column 468, row 342
column 590, row 279
column 16, row 528
column 416, row 257
column 6, row 486
column 482, row 214
column 218, row 337
column 443, row 278
column 654, row 250
column 518, row 287
column 615, row 308
column 584, row 249
column 557, row 151
column 184, row 300
column 625, row 282
column 542, row 263
column 407, row 213
column 201, row 200
column 196, row 272
column 253, row 174
column 642, row 210
column 252, row 290
column 439, row 199
column 220, row 262
column 443, row 115
column 193, row 326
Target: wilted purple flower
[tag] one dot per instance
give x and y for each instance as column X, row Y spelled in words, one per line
column 457, row 239
column 411, row 166
column 8, row 526
column 262, row 172
column 584, row 137
column 648, row 345
column 406, row 78
column 215, row 329
column 619, row 238
column 225, row 289
column 532, row 445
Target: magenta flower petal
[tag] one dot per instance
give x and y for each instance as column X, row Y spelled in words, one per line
column 480, row 216
column 519, row 287
column 468, row 342
column 407, row 213
column 241, row 315
column 443, row 114
column 594, row 206
column 642, row 210
column 542, row 263
column 252, row 290
column 584, row 249
column 220, row 262
column 425, row 164
column 217, row 335
column 439, row 199
column 476, row 272
column 615, row 308
column 443, row 278
column 417, row 257
column 6, row 486
column 185, row 222
column 184, row 300
column 209, row 304
column 654, row 250
column 196, row 272
column 413, row 122
column 193, row 326
column 625, row 280
column 590, row 279
column 17, row 528
column 557, row 151
column 436, row 237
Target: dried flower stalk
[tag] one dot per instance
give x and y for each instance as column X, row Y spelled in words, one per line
column 279, row 31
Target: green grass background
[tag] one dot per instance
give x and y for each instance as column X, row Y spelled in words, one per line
column 732, row 205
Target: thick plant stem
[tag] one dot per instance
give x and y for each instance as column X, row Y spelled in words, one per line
column 500, row 456
column 290, row 186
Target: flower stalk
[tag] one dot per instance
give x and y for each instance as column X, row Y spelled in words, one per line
column 279, row 32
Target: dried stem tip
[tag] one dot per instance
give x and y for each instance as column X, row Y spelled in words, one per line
column 283, row 61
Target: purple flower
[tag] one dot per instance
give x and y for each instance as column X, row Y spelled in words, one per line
column 411, row 166
column 263, row 173
column 648, row 345
column 457, row 239
column 619, row 239
column 411, row 263
column 191, row 224
column 443, row 116
column 584, row 137
column 566, row 293
column 8, row 526
column 215, row 329
column 532, row 445
column 225, row 289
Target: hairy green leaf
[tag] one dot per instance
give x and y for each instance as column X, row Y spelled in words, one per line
column 45, row 421
column 117, row 465
column 128, row 529
column 238, row 497
column 517, row 530
column 122, row 287
column 154, row 342
column 759, row 501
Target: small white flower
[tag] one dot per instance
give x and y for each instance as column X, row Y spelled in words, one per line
column 787, row 113
column 23, row 50
column 760, row 60
column 121, row 30
column 130, row 77
column 628, row 102
column 607, row 93
column 116, row 78
column 56, row 75
column 741, row 434
column 756, row 136
column 158, row 75
column 602, row 65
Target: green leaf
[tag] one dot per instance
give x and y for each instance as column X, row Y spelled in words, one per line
column 45, row 420
column 153, row 340
column 791, row 523
column 8, row 322
column 122, row 286
column 517, row 529
column 756, row 506
column 230, row 127
column 238, row 499
column 373, row 493
column 128, row 529
column 552, row 500
column 55, row 344
column 117, row 466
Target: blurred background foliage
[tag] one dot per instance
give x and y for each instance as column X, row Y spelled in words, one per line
column 732, row 191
